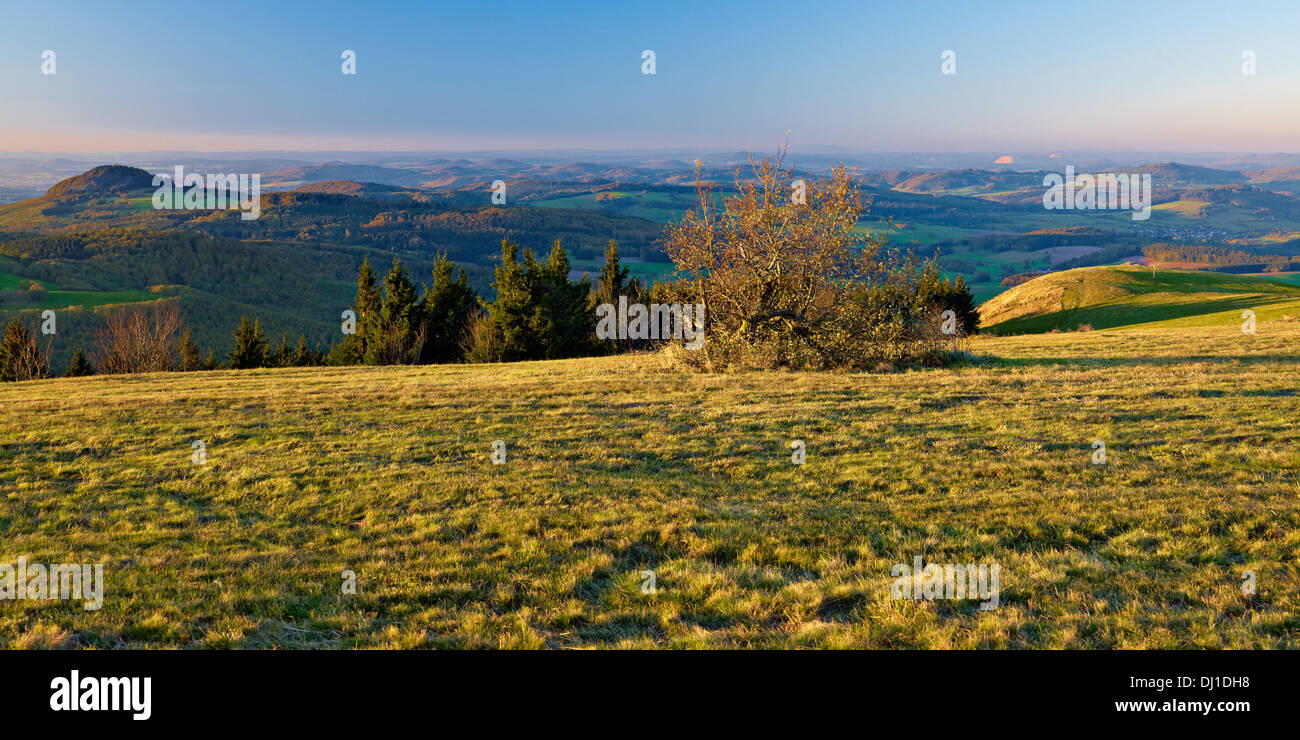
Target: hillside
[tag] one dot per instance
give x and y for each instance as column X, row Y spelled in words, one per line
column 619, row 465
column 104, row 179
column 1127, row 296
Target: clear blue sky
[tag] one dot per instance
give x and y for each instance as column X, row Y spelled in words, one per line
column 1035, row 76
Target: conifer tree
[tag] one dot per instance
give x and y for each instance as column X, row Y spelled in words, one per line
column 189, row 352
column 393, row 335
column 303, row 356
column 250, row 346
column 352, row 350
column 566, row 327
column 613, row 280
column 508, row 333
column 613, row 283
column 282, row 356
column 447, row 309
column 78, row 366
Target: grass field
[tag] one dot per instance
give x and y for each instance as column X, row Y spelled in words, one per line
column 644, row 271
column 907, row 233
column 621, row 465
column 9, row 280
column 1290, row 278
column 57, row 299
column 1186, row 208
column 661, row 207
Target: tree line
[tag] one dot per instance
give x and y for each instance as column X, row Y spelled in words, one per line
column 538, row 313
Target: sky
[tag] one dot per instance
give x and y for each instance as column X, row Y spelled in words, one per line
column 433, row 75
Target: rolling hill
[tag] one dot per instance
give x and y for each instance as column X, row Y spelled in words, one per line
column 1176, row 174
column 1128, row 296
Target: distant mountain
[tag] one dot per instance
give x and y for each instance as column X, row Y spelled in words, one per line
column 965, row 182
column 341, row 171
column 1173, row 174
column 1277, row 179
column 111, row 178
column 359, row 189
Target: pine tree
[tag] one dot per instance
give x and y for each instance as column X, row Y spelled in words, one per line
column 352, row 349
column 189, row 352
column 962, row 302
column 943, row 294
column 613, row 280
column 566, row 327
column 508, row 332
column 613, row 283
column 303, row 356
column 250, row 346
column 447, row 309
column 281, row 357
column 15, row 335
column 78, row 366
column 393, row 335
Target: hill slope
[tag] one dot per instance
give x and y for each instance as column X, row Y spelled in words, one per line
column 1126, row 295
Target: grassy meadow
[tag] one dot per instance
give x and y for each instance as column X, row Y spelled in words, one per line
column 620, row 465
column 1130, row 296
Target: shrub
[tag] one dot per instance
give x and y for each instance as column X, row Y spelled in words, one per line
column 791, row 284
column 21, row 358
column 138, row 339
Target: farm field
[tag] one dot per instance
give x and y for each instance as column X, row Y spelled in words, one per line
column 1189, row 208
column 616, row 466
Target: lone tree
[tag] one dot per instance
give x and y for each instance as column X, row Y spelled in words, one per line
column 786, row 281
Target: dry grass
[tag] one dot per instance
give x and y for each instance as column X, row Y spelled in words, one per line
column 618, row 465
